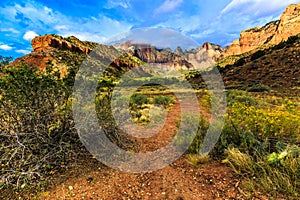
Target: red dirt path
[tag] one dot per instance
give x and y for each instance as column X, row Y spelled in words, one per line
column 177, row 181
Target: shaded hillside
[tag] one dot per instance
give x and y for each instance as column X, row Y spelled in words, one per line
column 276, row 67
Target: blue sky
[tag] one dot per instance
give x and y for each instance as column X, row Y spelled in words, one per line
column 215, row 21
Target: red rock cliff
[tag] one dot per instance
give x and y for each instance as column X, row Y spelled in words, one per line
column 271, row 33
column 71, row 43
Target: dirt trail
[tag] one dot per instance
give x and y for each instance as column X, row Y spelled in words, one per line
column 177, row 181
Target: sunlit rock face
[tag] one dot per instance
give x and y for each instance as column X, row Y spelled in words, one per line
column 270, row 34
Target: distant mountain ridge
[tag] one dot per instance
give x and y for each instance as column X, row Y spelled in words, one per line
column 62, row 52
column 56, row 50
column 200, row 58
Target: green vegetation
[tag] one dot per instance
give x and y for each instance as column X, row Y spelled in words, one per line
column 276, row 174
column 36, row 134
column 139, row 99
column 163, row 100
column 259, row 139
column 259, row 88
column 140, row 105
column 4, row 61
column 258, row 54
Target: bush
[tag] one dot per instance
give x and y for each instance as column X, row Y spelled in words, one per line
column 256, row 130
column 36, row 131
column 138, row 99
column 241, row 97
column 163, row 100
column 259, row 88
column 290, row 40
column 4, row 60
column 276, row 174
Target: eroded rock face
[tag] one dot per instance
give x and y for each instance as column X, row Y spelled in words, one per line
column 270, row 34
column 41, row 43
column 202, row 57
column 164, row 57
column 289, row 24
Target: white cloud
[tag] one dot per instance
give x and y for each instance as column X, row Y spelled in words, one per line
column 29, row 35
column 85, row 36
column 23, row 51
column 256, row 7
column 45, row 19
column 168, row 6
column 12, row 30
column 115, row 3
column 5, row 47
column 183, row 23
column 159, row 37
column 61, row 27
column 202, row 34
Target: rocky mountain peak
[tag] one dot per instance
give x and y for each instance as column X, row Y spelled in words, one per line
column 271, row 34
column 71, row 43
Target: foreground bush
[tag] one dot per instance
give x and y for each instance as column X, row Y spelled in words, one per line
column 277, row 174
column 260, row 142
column 36, row 133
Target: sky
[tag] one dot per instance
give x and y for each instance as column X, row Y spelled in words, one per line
column 214, row 21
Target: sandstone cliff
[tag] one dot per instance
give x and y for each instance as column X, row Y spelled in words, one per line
column 71, row 43
column 200, row 58
column 270, row 34
column 56, row 50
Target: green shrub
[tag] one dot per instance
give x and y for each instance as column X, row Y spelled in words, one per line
column 163, row 100
column 292, row 39
column 4, row 60
column 36, row 131
column 138, row 99
column 259, row 88
column 196, row 145
column 276, row 174
column 241, row 97
column 255, row 129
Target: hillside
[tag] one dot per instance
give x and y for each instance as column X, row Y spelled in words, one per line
column 275, row 67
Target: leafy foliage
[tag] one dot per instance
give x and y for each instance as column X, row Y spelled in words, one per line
column 259, row 88
column 260, row 142
column 163, row 100
column 4, row 60
column 36, row 124
column 274, row 174
column 139, row 99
